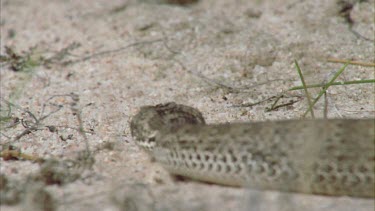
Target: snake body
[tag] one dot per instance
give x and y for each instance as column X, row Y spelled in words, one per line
column 328, row 157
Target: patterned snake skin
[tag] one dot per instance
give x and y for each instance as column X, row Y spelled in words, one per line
column 329, row 157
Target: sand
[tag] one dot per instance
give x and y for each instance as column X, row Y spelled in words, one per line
column 92, row 64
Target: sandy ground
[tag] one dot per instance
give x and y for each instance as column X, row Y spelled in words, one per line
column 92, row 64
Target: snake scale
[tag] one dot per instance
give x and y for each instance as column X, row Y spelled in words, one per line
column 328, row 157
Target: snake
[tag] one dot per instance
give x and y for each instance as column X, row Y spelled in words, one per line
column 333, row 157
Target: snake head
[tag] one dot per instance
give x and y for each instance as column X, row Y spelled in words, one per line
column 153, row 120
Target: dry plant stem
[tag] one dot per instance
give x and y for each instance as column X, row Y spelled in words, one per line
column 16, row 154
column 109, row 52
column 204, row 78
column 217, row 84
column 344, row 61
column 208, row 80
column 31, row 126
column 2, row 134
column 275, row 107
column 359, row 35
column 366, row 81
column 37, row 124
column 256, row 103
column 77, row 112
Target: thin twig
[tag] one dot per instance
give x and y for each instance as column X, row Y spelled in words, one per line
column 344, row 61
column 77, row 112
column 50, row 113
column 226, row 88
column 108, row 52
column 334, row 106
column 357, row 34
column 281, row 105
column 334, row 84
column 256, row 103
column 86, row 158
column 25, row 132
column 1, row 133
column 17, row 154
column 73, row 128
column 208, row 80
column 31, row 126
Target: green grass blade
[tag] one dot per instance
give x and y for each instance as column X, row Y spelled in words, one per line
column 337, row 74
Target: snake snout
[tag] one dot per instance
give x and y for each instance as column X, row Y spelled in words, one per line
column 150, row 120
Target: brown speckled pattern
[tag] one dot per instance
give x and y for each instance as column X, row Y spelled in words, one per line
column 328, row 157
